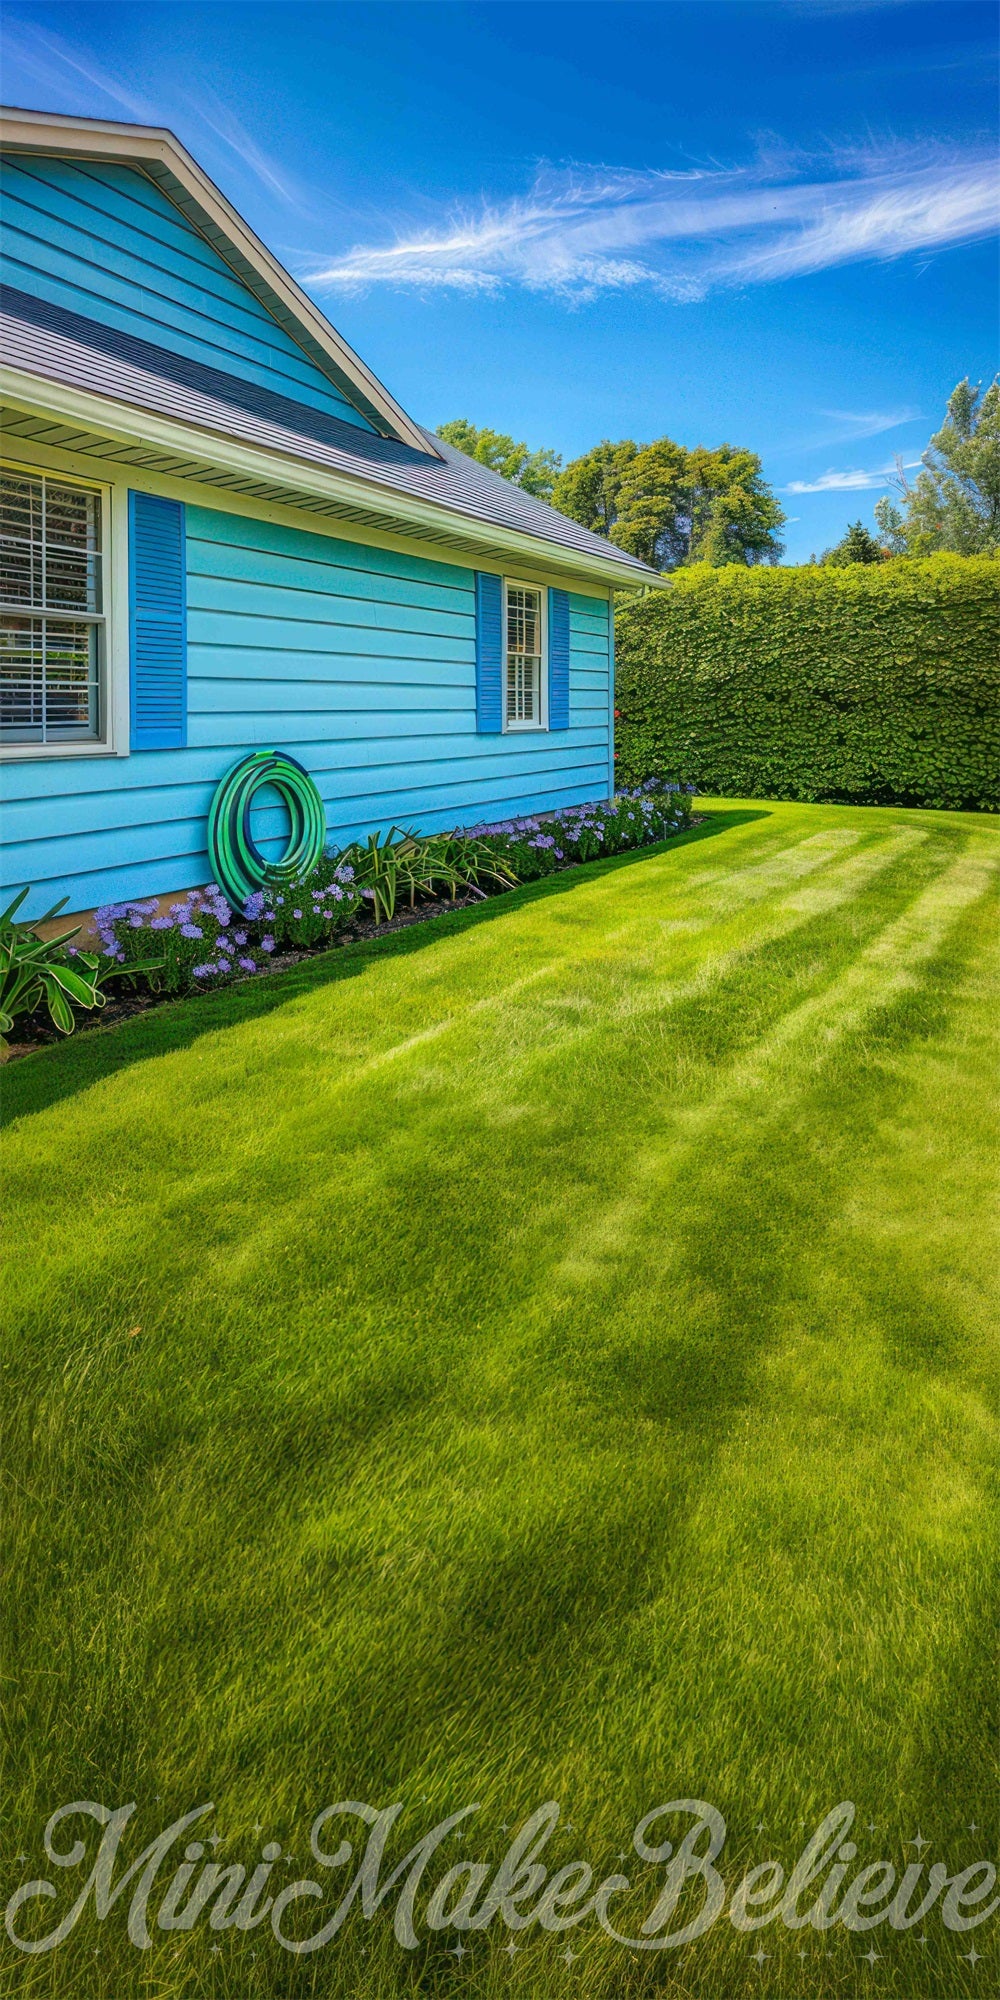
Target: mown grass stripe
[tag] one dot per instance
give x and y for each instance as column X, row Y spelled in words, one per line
column 567, row 1368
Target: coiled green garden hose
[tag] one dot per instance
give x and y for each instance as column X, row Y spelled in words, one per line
column 237, row 862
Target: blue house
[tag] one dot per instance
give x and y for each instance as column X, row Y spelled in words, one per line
column 221, row 534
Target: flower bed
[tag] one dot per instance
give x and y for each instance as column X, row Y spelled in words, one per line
column 538, row 845
column 200, row 941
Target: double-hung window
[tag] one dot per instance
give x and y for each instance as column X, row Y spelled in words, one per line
column 52, row 611
column 525, row 684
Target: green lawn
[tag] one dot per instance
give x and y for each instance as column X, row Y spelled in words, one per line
column 566, row 1368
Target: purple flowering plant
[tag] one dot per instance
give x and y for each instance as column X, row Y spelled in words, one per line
column 189, row 937
column 200, row 940
column 538, row 844
column 308, row 912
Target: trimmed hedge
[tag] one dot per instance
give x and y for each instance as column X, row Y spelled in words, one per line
column 873, row 684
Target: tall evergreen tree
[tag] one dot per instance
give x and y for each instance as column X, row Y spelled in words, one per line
column 856, row 546
column 954, row 503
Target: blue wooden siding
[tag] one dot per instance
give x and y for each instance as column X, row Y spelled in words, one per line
column 361, row 662
column 104, row 241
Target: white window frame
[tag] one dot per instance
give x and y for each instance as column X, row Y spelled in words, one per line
column 529, row 728
column 114, row 644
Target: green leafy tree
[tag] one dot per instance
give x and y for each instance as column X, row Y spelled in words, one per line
column 677, row 507
column 533, row 471
column 653, row 506
column 856, row 546
column 589, row 488
column 954, row 503
column 735, row 517
column 891, row 525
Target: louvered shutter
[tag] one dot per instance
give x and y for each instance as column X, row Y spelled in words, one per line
column 489, row 653
column 157, row 622
column 558, row 659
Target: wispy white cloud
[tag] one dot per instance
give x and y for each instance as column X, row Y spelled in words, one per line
column 54, row 70
column 58, row 68
column 585, row 230
column 853, row 425
column 207, row 106
column 849, row 482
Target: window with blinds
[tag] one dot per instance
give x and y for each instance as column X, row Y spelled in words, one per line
column 525, row 653
column 51, row 611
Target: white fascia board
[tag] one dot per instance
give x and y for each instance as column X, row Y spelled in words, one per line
column 157, row 152
column 128, row 424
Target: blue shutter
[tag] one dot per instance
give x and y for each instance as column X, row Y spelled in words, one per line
column 489, row 653
column 558, row 659
column 157, row 622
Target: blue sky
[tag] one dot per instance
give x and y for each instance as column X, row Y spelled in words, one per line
column 770, row 222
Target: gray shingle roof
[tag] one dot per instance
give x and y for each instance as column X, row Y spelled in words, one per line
column 62, row 346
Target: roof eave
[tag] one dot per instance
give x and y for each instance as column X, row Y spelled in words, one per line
column 132, row 424
column 155, row 150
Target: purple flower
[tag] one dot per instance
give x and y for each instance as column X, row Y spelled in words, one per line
column 267, row 944
column 559, row 854
column 135, row 921
column 162, row 924
column 239, row 937
column 191, row 931
column 201, row 971
column 223, row 965
column 254, row 905
column 248, row 964
column 297, row 914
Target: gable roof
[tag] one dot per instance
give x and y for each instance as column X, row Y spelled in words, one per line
column 106, row 375
column 155, row 151
column 47, row 340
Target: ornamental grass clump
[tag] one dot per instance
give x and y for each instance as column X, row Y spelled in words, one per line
column 411, row 867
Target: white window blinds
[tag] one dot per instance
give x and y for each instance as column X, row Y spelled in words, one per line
column 51, row 610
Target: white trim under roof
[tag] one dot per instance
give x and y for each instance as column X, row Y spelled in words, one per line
column 156, row 152
column 218, row 459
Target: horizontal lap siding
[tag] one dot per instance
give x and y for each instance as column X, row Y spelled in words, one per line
column 361, row 663
column 103, row 241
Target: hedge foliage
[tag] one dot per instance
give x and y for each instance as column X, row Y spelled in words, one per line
column 874, row 684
